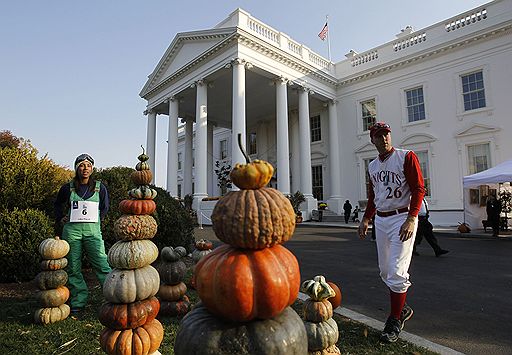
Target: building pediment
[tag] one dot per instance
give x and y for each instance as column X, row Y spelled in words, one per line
column 368, row 147
column 476, row 129
column 184, row 49
column 421, row 138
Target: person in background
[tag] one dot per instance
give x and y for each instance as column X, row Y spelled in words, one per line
column 79, row 208
column 493, row 209
column 347, row 208
column 355, row 217
column 395, row 193
column 425, row 229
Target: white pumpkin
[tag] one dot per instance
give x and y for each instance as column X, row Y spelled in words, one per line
column 127, row 286
column 133, row 254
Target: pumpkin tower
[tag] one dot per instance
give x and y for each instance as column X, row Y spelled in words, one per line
column 51, row 280
column 247, row 285
column 130, row 288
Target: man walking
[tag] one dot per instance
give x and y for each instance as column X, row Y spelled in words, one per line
column 347, row 208
column 425, row 229
column 395, row 195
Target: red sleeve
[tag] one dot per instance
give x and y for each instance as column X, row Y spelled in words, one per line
column 414, row 179
column 370, row 207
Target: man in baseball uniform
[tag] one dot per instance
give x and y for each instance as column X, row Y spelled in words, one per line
column 395, row 195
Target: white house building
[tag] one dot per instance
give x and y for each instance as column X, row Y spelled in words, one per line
column 443, row 89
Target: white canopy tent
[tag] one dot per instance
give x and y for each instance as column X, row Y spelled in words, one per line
column 499, row 174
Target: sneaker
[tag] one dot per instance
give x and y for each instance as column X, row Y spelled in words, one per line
column 391, row 330
column 406, row 314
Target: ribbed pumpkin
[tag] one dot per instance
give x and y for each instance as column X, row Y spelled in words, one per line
column 142, row 177
column 254, row 219
column 132, row 254
column 175, row 308
column 142, row 340
column 321, row 335
column 172, row 273
column 53, row 248
column 51, row 279
column 52, row 314
column 244, row 284
column 253, row 175
column 127, row 286
column 137, row 206
column 143, row 192
column 54, row 297
column 317, row 311
column 171, row 292
column 201, row 332
column 54, row 264
column 128, row 316
column 130, row 227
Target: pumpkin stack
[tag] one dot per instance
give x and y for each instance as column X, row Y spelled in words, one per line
column 51, row 280
column 203, row 247
column 129, row 289
column 321, row 328
column 247, row 285
column 173, row 300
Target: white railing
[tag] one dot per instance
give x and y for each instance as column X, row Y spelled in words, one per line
column 263, row 30
column 466, row 20
column 409, row 42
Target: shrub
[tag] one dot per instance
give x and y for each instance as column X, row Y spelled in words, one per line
column 175, row 226
column 21, row 232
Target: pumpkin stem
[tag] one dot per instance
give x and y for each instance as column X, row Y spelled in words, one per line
column 143, row 152
column 247, row 158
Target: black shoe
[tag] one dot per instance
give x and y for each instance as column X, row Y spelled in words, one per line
column 405, row 315
column 391, row 330
column 441, row 252
column 415, row 253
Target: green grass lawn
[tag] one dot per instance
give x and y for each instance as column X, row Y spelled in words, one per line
column 80, row 334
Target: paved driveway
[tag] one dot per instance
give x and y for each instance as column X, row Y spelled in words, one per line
column 462, row 300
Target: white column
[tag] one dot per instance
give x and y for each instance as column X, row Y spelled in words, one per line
column 335, row 201
column 283, row 155
column 151, row 141
column 187, row 159
column 306, row 186
column 201, row 182
column 295, row 151
column 238, row 119
column 210, row 160
column 172, row 148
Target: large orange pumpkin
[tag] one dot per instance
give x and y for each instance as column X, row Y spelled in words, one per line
column 128, row 315
column 137, row 206
column 254, row 219
column 244, row 284
column 142, row 340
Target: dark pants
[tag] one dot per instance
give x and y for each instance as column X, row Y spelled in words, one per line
column 425, row 229
column 347, row 216
column 495, row 222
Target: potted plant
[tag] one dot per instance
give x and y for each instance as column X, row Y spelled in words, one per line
column 296, row 199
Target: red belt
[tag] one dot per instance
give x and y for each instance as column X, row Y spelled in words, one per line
column 392, row 213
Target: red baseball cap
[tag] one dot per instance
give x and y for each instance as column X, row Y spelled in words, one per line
column 378, row 127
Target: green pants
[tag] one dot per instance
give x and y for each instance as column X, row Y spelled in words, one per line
column 84, row 237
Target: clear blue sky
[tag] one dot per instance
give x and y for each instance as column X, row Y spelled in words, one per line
column 71, row 71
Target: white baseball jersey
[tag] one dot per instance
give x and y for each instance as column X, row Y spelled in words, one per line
column 389, row 183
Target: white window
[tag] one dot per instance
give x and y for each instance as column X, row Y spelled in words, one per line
column 318, row 185
column 180, row 159
column 415, row 104
column 479, row 157
column 425, row 171
column 252, row 144
column 316, row 129
column 473, row 92
column 368, row 113
column 223, row 149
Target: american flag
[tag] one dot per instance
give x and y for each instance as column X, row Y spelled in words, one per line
column 323, row 32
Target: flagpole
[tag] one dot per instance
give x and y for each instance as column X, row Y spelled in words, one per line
column 328, row 38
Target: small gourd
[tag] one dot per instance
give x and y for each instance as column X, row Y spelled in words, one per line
column 318, row 289
column 253, row 175
column 51, row 314
column 54, row 264
column 142, row 192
